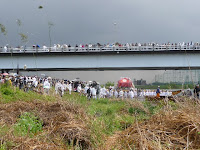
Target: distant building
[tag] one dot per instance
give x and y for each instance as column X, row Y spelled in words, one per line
column 139, row 82
column 179, row 76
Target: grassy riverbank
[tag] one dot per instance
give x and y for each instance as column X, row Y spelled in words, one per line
column 33, row 121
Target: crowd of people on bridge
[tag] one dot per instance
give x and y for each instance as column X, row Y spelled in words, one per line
column 8, row 48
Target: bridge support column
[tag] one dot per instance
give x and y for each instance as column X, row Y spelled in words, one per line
column 17, row 70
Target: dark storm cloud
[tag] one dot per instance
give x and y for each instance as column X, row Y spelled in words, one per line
column 92, row 21
column 84, row 21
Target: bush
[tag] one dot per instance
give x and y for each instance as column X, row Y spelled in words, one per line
column 108, row 84
column 130, row 110
column 29, row 124
column 109, row 111
column 7, row 91
column 139, row 111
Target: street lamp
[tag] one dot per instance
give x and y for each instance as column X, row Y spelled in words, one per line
column 115, row 32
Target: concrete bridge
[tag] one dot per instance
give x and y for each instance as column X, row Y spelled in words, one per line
column 124, row 59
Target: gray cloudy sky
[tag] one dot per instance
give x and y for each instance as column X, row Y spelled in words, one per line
column 92, row 21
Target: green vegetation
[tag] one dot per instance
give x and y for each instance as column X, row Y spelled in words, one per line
column 4, row 32
column 28, row 124
column 2, row 146
column 3, row 130
column 109, row 116
column 102, row 118
column 11, row 94
column 24, row 38
column 40, row 7
column 3, row 29
column 108, row 84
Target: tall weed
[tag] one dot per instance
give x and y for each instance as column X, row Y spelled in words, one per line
column 28, row 124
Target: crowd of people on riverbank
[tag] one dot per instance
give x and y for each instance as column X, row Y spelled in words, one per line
column 55, row 47
column 91, row 89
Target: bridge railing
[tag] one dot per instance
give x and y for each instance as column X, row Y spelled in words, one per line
column 100, row 49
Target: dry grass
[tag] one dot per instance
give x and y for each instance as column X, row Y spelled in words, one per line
column 63, row 124
column 66, row 124
column 169, row 129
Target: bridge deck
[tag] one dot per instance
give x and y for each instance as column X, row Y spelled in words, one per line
column 106, row 50
column 102, row 58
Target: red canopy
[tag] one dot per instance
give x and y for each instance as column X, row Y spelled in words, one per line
column 125, row 83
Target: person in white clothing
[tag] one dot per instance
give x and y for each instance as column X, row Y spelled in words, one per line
column 111, row 93
column 62, row 88
column 125, row 95
column 100, row 93
column 116, row 94
column 56, row 86
column 85, row 89
column 107, row 93
column 5, row 49
column 103, row 92
column 94, row 93
column 35, row 84
column 135, row 93
column 45, row 48
column 70, row 88
column 46, row 86
column 59, row 88
column 79, row 88
column 131, row 94
column 121, row 94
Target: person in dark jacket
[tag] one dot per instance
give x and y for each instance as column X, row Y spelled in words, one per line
column 196, row 91
column 89, row 94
